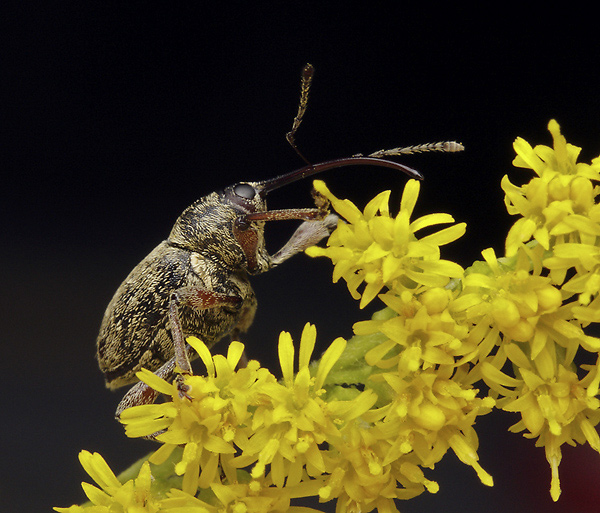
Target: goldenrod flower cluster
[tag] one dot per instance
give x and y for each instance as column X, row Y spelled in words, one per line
column 366, row 423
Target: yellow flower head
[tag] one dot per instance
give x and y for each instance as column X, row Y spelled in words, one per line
column 134, row 495
column 235, row 419
column 514, row 303
column 210, row 421
column 438, row 410
column 362, row 476
column 559, row 204
column 585, row 260
column 510, row 297
column 378, row 458
column 383, row 251
column 556, row 409
column 290, row 428
column 424, row 334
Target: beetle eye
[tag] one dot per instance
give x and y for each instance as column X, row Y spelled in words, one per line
column 244, row 190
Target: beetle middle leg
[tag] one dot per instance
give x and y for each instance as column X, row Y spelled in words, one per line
column 198, row 299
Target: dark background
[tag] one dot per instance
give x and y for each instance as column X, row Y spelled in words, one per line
column 114, row 118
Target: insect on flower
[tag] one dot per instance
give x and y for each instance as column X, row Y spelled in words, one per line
column 196, row 281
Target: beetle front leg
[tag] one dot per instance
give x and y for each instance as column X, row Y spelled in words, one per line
column 306, row 235
column 317, row 225
column 196, row 298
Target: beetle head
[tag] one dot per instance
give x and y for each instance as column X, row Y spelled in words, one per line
column 223, row 223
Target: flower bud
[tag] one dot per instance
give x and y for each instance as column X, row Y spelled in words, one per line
column 435, row 300
column 505, row 313
column 549, row 299
column 522, row 332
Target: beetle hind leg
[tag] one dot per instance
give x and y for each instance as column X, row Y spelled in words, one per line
column 141, row 393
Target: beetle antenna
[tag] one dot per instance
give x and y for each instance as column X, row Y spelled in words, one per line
column 307, row 76
column 445, row 146
column 374, row 159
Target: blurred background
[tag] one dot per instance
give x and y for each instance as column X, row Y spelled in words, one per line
column 114, row 118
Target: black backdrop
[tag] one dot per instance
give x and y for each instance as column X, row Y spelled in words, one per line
column 114, row 118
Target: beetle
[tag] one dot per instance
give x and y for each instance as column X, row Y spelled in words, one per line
column 196, row 281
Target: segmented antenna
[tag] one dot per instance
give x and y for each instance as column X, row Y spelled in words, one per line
column 445, row 146
column 307, row 76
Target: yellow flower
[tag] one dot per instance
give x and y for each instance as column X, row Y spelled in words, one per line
column 290, row 428
column 557, row 408
column 424, row 334
column 521, row 305
column 258, row 497
column 134, row 496
column 211, row 421
column 234, row 419
column 363, row 478
column 585, row 260
column 439, row 408
column 383, row 251
column 378, row 458
column 559, row 204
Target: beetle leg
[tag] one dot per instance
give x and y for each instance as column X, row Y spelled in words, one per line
column 141, row 393
column 303, row 214
column 246, row 318
column 307, row 234
column 318, row 224
column 196, row 298
column 286, row 214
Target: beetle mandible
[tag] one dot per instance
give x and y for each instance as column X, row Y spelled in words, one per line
column 196, row 281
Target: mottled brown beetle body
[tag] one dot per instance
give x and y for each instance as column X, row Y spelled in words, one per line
column 138, row 313
column 201, row 252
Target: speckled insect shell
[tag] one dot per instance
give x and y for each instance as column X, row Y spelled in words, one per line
column 201, row 251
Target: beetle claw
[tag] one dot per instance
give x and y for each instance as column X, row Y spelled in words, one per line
column 182, row 387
